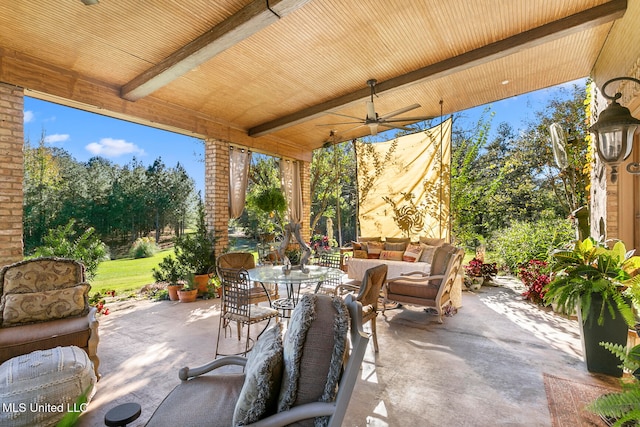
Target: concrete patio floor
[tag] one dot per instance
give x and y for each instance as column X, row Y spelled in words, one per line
column 483, row 367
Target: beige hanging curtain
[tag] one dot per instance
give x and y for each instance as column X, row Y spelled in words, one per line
column 239, row 161
column 292, row 189
column 404, row 185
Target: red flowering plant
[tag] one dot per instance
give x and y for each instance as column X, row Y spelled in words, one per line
column 98, row 301
column 535, row 276
column 322, row 244
column 477, row 268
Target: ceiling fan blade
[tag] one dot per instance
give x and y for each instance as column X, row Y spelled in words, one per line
column 400, row 111
column 408, row 119
column 340, row 123
column 386, row 124
column 371, row 111
column 350, row 129
column 344, row 115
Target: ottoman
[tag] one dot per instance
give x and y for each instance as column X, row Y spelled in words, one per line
column 41, row 387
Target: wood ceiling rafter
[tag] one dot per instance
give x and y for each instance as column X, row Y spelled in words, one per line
column 254, row 17
column 563, row 27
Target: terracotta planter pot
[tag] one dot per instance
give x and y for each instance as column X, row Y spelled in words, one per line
column 173, row 291
column 188, row 295
column 201, row 281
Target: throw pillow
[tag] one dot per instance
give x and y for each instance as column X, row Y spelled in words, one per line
column 374, row 249
column 263, row 374
column 356, row 246
column 427, row 253
column 397, row 239
column 412, row 254
column 315, row 345
column 360, row 254
column 391, row 246
column 391, row 255
column 47, row 305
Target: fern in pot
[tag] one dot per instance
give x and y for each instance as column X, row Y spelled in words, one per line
column 595, row 281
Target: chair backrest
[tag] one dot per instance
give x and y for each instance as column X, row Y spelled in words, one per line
column 372, row 282
column 236, row 291
column 236, row 260
column 451, row 272
column 57, row 284
column 330, row 260
column 316, row 373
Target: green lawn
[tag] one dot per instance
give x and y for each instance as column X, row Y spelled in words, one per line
column 126, row 274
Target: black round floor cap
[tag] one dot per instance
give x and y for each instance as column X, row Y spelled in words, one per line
column 123, row 414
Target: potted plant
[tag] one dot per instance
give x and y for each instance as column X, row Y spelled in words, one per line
column 593, row 280
column 170, row 271
column 196, row 251
column 189, row 292
column 479, row 273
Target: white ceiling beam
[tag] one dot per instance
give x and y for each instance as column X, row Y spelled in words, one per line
column 254, row 17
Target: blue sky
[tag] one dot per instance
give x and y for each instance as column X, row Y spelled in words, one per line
column 85, row 135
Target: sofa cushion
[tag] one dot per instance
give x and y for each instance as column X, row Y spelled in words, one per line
column 311, row 367
column 397, row 239
column 374, row 249
column 263, row 374
column 391, row 255
column 20, row 308
column 52, row 378
column 412, row 253
column 397, row 246
column 360, row 254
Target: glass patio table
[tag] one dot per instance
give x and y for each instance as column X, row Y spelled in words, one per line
column 293, row 281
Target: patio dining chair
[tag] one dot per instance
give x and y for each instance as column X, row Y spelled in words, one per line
column 260, row 292
column 368, row 295
column 329, row 285
column 237, row 306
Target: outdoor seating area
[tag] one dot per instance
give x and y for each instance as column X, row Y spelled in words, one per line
column 499, row 361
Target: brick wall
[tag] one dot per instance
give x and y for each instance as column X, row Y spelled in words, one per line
column 216, row 195
column 11, row 172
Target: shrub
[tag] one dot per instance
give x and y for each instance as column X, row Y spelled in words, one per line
column 524, row 241
column 476, row 268
column 65, row 242
column 143, row 247
column 535, row 276
column 169, row 270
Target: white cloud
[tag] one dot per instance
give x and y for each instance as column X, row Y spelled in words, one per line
column 110, row 147
column 29, row 116
column 57, row 137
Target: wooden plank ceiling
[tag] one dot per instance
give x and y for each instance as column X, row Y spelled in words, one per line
column 266, row 74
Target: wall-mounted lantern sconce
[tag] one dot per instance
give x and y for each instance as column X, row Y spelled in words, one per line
column 614, row 132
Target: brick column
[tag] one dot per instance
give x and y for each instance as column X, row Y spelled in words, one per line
column 216, row 194
column 305, row 183
column 11, row 172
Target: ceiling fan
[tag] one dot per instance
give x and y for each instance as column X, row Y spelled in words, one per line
column 373, row 120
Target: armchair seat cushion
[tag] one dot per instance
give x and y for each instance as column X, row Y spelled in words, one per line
column 417, row 290
column 24, row 339
column 215, row 395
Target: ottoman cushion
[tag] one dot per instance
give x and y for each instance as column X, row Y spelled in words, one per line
column 39, row 388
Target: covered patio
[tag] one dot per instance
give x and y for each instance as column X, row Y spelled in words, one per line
column 499, row 361
column 277, row 76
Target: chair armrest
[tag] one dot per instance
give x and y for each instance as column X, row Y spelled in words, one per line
column 186, row 372
column 297, row 413
column 346, row 287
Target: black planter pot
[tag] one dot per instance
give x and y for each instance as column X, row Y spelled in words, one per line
column 599, row 359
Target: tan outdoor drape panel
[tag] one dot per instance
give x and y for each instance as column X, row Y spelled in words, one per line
column 404, row 185
column 292, row 189
column 239, row 161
